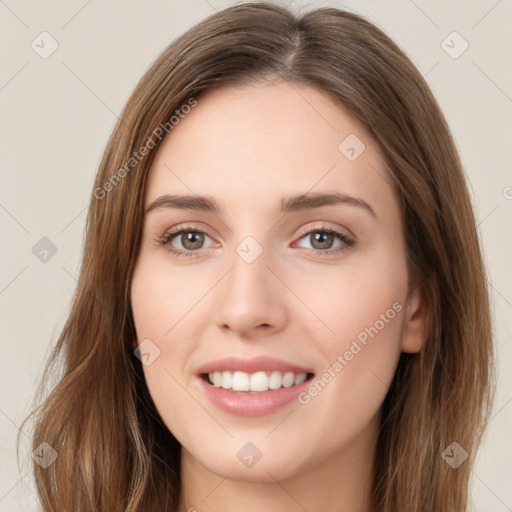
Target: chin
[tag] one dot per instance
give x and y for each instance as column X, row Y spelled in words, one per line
column 259, row 460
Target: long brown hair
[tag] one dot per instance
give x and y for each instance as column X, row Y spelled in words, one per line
column 114, row 451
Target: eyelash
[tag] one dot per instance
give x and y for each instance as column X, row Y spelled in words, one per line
column 174, row 232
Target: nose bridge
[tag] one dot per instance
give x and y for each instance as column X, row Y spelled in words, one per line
column 250, row 295
column 249, row 275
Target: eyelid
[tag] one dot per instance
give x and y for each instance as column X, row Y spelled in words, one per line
column 325, row 226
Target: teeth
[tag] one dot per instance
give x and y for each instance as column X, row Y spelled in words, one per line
column 288, row 379
column 216, row 379
column 240, row 381
column 259, row 381
column 275, row 380
column 227, row 380
column 299, row 378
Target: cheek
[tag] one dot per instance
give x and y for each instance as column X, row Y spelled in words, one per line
column 163, row 301
column 361, row 300
column 363, row 358
column 164, row 314
column 365, row 315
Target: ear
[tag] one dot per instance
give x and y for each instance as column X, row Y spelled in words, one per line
column 134, row 344
column 415, row 328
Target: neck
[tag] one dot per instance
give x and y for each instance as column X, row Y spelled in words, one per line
column 339, row 483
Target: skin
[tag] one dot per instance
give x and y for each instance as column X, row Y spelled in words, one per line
column 248, row 146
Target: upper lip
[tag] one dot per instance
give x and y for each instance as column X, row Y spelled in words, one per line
column 252, row 365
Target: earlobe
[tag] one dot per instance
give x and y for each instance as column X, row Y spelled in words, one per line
column 415, row 326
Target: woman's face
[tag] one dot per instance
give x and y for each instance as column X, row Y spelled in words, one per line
column 291, row 266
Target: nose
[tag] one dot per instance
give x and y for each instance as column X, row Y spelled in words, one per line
column 251, row 300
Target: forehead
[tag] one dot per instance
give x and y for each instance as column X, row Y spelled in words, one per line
column 249, row 145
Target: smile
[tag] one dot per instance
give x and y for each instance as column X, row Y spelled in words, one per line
column 257, row 386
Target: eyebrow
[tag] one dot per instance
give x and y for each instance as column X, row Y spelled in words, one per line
column 300, row 202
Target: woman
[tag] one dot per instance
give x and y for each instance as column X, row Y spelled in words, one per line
column 282, row 302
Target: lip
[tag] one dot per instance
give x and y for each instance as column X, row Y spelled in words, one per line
column 253, row 365
column 247, row 403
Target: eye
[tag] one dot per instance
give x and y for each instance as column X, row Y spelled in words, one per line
column 323, row 240
column 189, row 239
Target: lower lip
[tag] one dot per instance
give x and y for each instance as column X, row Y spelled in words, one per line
column 245, row 403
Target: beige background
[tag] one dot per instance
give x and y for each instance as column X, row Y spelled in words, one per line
column 58, row 112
